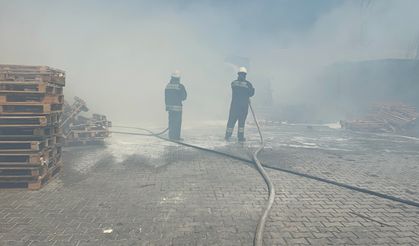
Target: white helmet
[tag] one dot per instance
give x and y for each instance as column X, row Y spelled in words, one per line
column 242, row 70
column 176, row 74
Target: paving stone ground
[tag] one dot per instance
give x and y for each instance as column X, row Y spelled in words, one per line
column 179, row 196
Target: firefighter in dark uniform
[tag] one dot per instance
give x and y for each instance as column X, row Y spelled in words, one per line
column 242, row 91
column 175, row 93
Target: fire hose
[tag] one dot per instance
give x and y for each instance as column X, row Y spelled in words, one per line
column 258, row 239
column 262, row 221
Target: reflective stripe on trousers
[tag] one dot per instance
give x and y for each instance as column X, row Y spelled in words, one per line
column 174, row 108
column 236, row 114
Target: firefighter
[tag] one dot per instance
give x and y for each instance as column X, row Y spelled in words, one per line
column 175, row 93
column 242, row 90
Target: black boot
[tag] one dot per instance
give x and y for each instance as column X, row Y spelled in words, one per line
column 240, row 135
column 229, row 132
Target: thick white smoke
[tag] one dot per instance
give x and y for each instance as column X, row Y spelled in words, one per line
column 119, row 55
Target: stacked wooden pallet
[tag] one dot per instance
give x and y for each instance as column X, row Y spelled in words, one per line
column 70, row 114
column 386, row 117
column 81, row 130
column 87, row 130
column 31, row 103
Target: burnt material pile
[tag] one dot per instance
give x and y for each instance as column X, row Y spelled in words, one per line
column 31, row 104
column 81, row 130
column 386, row 117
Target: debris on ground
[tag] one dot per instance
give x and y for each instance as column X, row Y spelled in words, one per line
column 393, row 117
column 82, row 130
column 107, row 231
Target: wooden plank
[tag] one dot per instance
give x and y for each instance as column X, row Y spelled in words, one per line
column 30, row 87
column 29, row 181
column 29, row 108
column 27, row 121
column 20, row 172
column 29, row 132
column 22, row 72
column 28, row 158
column 78, row 142
column 25, row 98
column 23, row 146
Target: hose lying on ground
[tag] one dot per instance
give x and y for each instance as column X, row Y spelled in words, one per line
column 149, row 134
column 258, row 240
column 304, row 175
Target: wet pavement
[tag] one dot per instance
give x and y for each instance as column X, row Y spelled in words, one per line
column 143, row 191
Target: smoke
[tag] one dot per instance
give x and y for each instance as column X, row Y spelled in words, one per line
column 119, row 54
column 352, row 31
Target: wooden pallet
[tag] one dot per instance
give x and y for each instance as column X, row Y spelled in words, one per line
column 57, row 155
column 30, row 182
column 30, row 87
column 90, row 132
column 28, row 143
column 89, row 141
column 23, row 132
column 46, row 158
column 22, row 158
column 52, row 172
column 24, row 138
column 30, row 108
column 29, row 121
column 13, row 97
column 24, row 172
column 21, row 72
column 23, row 146
column 27, row 158
column 56, row 140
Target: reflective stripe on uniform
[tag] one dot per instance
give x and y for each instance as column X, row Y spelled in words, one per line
column 171, row 86
column 241, row 129
column 240, row 84
column 174, row 108
column 229, row 130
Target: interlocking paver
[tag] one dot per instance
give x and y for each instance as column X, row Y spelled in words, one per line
column 186, row 197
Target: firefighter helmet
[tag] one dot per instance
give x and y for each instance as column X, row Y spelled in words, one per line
column 242, row 70
column 176, row 74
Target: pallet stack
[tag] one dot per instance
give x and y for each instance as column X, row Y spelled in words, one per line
column 394, row 117
column 88, row 131
column 31, row 104
column 70, row 114
column 80, row 130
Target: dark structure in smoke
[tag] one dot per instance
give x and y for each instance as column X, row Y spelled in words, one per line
column 347, row 89
column 350, row 87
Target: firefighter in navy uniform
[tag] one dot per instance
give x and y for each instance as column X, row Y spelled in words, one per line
column 242, row 91
column 175, row 93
